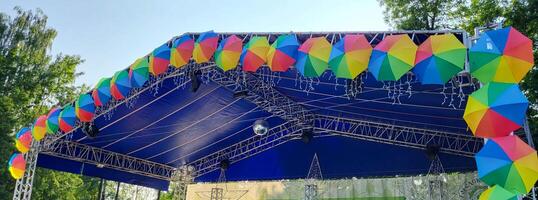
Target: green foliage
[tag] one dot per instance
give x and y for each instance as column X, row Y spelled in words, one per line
column 467, row 14
column 31, row 81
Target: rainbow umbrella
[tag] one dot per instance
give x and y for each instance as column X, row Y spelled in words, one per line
column 497, row 193
column 254, row 55
column 139, row 72
column 24, row 140
column 495, row 110
column 350, row 56
column 503, row 55
column 392, row 58
column 120, row 85
column 101, row 93
column 39, row 129
column 439, row 58
column 205, row 46
column 181, row 51
column 282, row 53
column 85, row 108
column 159, row 60
column 508, row 162
column 228, row 52
column 52, row 120
column 67, row 118
column 17, row 166
column 313, row 57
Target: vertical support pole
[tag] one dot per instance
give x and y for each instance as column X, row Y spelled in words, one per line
column 158, row 194
column 528, row 134
column 23, row 187
column 101, row 186
column 117, row 191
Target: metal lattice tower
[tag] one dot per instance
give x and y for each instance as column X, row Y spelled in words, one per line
column 23, row 187
column 311, row 190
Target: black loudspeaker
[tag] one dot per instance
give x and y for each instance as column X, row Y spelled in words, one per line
column 225, row 164
column 90, row 130
column 307, row 135
column 432, row 150
column 195, row 80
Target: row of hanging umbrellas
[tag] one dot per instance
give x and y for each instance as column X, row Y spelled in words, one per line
column 500, row 59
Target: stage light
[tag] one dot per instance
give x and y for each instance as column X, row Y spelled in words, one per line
column 195, row 80
column 432, row 150
column 90, row 130
column 260, row 127
column 225, row 164
column 307, row 135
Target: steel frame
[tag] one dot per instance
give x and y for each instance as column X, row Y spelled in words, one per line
column 23, row 186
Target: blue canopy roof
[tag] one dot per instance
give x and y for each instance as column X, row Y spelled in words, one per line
column 176, row 127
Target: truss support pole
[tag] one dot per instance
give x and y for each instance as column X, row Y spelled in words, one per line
column 23, row 187
column 182, row 177
column 530, row 140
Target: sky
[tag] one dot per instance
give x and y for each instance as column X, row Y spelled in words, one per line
column 110, row 35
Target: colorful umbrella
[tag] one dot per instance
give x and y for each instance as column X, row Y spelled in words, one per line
column 17, row 166
column 67, row 118
column 139, row 72
column 508, row 162
column 159, row 60
column 350, row 56
column 85, row 108
column 205, row 46
column 313, row 57
column 495, row 110
column 120, row 85
column 497, row 193
column 181, row 51
column 392, row 58
column 228, row 52
column 52, row 120
column 254, row 55
column 439, row 58
column 282, row 53
column 101, row 93
column 503, row 55
column 39, row 128
column 24, row 140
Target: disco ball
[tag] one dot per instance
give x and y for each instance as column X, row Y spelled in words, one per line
column 260, row 127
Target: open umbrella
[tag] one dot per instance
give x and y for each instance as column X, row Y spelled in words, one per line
column 159, row 60
column 439, row 58
column 24, row 140
column 85, row 108
column 282, row 53
column 497, row 193
column 313, row 57
column 503, row 55
column 101, row 93
column 139, row 72
column 67, row 118
column 205, row 46
column 254, row 53
column 39, row 129
column 495, row 110
column 120, row 85
column 228, row 52
column 52, row 120
column 181, row 51
column 392, row 57
column 350, row 56
column 17, row 165
column 508, row 162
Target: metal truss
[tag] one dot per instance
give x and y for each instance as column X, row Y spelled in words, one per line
column 246, row 148
column 106, row 159
column 23, row 186
column 263, row 95
column 450, row 143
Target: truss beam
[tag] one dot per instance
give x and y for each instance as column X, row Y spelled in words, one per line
column 103, row 158
column 450, row 143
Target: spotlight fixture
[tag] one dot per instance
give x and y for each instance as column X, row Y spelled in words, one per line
column 432, row 150
column 90, row 130
column 307, row 135
column 260, row 127
column 225, row 164
column 195, row 80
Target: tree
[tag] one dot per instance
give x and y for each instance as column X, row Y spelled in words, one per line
column 420, row 14
column 31, row 81
column 521, row 14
